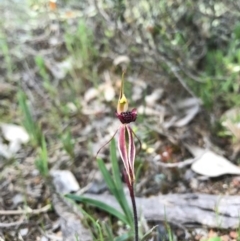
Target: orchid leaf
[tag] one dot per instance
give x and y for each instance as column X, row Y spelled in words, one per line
column 115, row 167
column 116, row 188
column 100, row 205
column 107, row 177
column 120, row 195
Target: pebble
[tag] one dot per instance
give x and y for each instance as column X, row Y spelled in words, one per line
column 233, row 234
column 194, row 183
column 64, row 181
column 23, row 231
column 189, row 174
column 17, row 199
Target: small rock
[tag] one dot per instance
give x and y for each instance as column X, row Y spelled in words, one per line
column 181, row 188
column 97, row 187
column 212, row 234
column 153, row 97
column 109, row 92
column 18, row 198
column 235, row 182
column 90, row 94
column 201, row 232
column 194, row 183
column 44, row 238
column 121, row 59
column 233, row 234
column 14, row 133
column 225, row 238
column 23, row 231
column 64, row 181
column 189, row 174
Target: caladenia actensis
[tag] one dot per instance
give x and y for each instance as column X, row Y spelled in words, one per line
column 126, row 147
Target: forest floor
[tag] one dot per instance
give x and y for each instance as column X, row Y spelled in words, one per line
column 55, row 59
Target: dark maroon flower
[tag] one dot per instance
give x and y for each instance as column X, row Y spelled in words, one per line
column 127, row 116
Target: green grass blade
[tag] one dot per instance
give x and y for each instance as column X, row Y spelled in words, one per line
column 148, row 234
column 42, row 160
column 95, row 223
column 100, row 205
column 124, row 237
column 116, row 191
column 115, row 167
column 107, row 177
column 108, row 230
column 28, row 122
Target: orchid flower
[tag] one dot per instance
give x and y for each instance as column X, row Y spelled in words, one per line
column 126, row 145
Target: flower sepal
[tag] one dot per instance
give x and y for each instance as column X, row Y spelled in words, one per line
column 127, row 150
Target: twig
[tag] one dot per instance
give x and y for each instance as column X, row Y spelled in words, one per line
column 178, row 164
column 102, row 13
column 26, row 211
column 13, row 224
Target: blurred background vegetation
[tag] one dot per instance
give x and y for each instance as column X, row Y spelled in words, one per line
column 195, row 43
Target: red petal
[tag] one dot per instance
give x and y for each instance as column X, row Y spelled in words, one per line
column 122, row 146
column 131, row 149
column 127, row 150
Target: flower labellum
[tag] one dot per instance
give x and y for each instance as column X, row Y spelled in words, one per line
column 127, row 116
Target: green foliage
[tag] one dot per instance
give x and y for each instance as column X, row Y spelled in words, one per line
column 35, row 134
column 4, row 49
column 215, row 239
column 29, row 123
column 117, row 189
column 80, row 44
column 220, row 74
column 68, row 143
column 39, row 60
column 96, row 227
column 115, row 186
column 42, row 161
column 170, row 234
column 147, row 235
column 100, row 205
